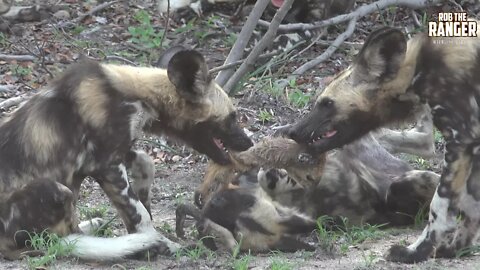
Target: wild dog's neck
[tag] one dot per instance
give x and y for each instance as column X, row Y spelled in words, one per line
column 149, row 85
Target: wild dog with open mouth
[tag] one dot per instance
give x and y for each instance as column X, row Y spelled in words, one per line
column 389, row 79
column 84, row 124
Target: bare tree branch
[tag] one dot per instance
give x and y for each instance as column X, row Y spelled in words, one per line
column 236, row 53
column 6, row 57
column 166, row 25
column 94, row 10
column 12, row 102
column 261, row 45
column 329, row 51
column 239, row 62
column 359, row 12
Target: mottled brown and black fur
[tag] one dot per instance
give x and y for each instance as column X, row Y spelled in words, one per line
column 362, row 182
column 244, row 214
column 388, row 80
column 85, row 124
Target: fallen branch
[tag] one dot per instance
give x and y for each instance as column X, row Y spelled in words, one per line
column 358, row 13
column 116, row 57
column 166, row 25
column 94, row 10
column 236, row 53
column 20, row 58
column 239, row 62
column 329, row 51
column 14, row 101
column 6, row 88
column 259, row 47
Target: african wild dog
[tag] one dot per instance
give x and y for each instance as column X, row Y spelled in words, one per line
column 387, row 81
column 359, row 182
column 85, row 124
column 244, row 213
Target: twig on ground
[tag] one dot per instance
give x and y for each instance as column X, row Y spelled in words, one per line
column 12, row 102
column 259, row 47
column 236, row 53
column 358, row 13
column 6, row 88
column 25, row 57
column 239, row 62
column 116, row 57
column 94, row 10
column 417, row 23
column 330, row 50
column 165, row 30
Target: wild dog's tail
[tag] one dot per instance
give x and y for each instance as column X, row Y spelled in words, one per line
column 105, row 249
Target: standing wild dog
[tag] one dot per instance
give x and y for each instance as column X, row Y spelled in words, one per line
column 388, row 80
column 85, row 124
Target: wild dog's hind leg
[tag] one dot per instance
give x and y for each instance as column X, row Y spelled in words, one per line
column 114, row 181
column 443, row 221
column 142, row 170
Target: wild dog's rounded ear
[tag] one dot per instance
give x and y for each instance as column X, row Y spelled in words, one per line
column 381, row 56
column 188, row 71
column 167, row 55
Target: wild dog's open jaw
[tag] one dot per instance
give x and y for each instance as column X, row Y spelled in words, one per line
column 326, row 135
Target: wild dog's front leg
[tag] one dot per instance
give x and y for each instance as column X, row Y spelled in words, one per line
column 442, row 224
column 114, row 181
column 142, row 169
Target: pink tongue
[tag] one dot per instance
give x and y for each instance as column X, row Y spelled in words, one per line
column 277, row 3
column 330, row 133
column 218, row 143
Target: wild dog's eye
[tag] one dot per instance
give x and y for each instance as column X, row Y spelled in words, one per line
column 326, row 102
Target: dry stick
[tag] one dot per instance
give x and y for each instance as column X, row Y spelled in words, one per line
column 236, row 63
column 116, row 57
column 261, row 45
column 329, row 51
column 6, row 88
column 359, row 12
column 12, row 102
column 236, row 53
column 94, row 10
column 6, row 57
column 166, row 24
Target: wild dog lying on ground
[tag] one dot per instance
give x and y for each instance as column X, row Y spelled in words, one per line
column 243, row 212
column 359, row 182
column 84, row 124
column 387, row 81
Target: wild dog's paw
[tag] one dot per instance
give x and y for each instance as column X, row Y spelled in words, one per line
column 90, row 227
column 162, row 248
column 403, row 254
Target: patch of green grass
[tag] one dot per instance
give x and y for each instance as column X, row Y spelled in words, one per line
column 51, row 245
column 230, row 40
column 265, row 116
column 144, row 34
column 242, row 262
column 3, row 40
column 422, row 216
column 347, row 235
column 143, row 268
column 296, row 97
column 195, row 253
column 278, row 263
column 369, row 259
column 88, row 213
column 167, row 228
column 78, row 29
column 467, row 251
column 437, row 135
column 20, row 71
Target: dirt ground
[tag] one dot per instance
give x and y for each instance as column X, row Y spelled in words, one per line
column 132, row 32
